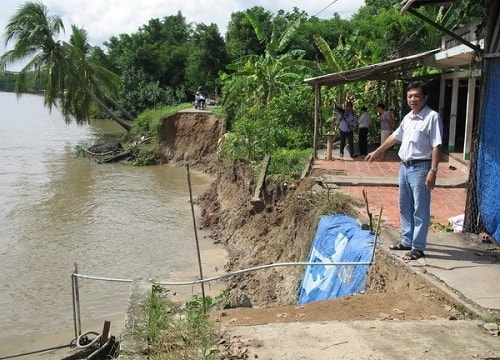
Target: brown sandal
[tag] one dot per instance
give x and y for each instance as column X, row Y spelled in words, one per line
column 399, row 246
column 413, row 255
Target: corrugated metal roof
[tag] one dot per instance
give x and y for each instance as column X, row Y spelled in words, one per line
column 369, row 72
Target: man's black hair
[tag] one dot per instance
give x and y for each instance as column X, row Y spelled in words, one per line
column 417, row 84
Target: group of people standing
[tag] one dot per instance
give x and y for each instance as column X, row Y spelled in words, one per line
column 347, row 120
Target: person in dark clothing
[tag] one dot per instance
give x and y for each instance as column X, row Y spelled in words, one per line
column 346, row 121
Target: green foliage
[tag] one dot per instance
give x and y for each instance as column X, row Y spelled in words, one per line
column 219, row 111
column 288, row 164
column 148, row 154
column 172, row 337
column 260, row 133
column 494, row 319
column 157, row 311
column 7, row 81
column 241, row 39
column 165, row 61
column 207, row 55
column 196, row 309
column 149, row 122
column 70, row 80
column 148, row 125
column 253, row 80
column 438, row 227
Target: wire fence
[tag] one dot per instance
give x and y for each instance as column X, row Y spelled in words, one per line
column 75, row 276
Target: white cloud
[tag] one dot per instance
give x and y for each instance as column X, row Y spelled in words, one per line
column 103, row 19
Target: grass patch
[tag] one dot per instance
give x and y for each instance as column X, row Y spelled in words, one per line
column 495, row 320
column 149, row 122
column 181, row 335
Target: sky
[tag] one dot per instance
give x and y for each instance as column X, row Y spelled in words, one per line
column 103, row 19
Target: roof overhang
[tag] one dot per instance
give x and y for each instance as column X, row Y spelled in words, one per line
column 406, row 4
column 387, row 70
column 457, row 56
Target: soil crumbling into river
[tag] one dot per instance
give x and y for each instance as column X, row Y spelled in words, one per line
column 281, row 229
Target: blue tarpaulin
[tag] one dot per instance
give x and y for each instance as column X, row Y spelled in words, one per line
column 488, row 155
column 339, row 238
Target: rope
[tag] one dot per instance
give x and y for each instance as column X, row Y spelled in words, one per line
column 36, row 351
column 82, row 340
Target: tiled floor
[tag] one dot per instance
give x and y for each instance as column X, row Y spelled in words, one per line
column 445, row 203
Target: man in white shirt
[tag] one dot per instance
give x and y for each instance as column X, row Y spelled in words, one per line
column 420, row 134
column 364, row 123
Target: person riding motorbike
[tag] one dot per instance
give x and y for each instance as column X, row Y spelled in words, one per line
column 199, row 100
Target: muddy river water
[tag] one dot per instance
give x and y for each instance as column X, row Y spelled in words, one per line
column 57, row 209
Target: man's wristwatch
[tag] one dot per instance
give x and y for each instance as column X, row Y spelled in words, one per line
column 435, row 169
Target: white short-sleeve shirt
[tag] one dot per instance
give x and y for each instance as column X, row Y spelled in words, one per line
column 419, row 134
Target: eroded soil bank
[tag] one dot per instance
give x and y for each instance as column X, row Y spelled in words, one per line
column 281, row 230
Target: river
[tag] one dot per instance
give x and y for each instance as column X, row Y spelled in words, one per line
column 57, row 209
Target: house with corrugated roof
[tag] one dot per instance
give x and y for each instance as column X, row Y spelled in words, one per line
column 469, row 101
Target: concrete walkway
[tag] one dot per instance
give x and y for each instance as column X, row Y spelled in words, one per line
column 379, row 180
column 358, row 340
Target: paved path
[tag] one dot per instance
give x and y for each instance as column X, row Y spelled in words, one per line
column 379, row 180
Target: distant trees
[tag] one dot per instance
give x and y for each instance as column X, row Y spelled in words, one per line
column 165, row 61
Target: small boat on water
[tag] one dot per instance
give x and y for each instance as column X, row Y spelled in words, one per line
column 107, row 152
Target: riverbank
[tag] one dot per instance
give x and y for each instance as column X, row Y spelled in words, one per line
column 280, row 229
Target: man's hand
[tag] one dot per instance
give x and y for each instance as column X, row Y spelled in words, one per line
column 372, row 156
column 430, row 180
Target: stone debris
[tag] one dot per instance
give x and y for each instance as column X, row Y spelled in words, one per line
column 492, row 328
column 237, row 298
column 231, row 347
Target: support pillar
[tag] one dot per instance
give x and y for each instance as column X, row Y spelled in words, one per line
column 453, row 115
column 469, row 118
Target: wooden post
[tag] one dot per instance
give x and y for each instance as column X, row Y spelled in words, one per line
column 77, row 303
column 197, row 241
column 104, row 333
column 329, row 146
column 317, row 106
column 469, row 118
column 453, row 115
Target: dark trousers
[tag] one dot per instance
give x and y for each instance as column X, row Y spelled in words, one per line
column 363, row 141
column 349, row 136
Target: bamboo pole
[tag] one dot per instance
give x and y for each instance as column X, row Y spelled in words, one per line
column 77, row 303
column 196, row 238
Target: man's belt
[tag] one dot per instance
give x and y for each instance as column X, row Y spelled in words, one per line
column 413, row 162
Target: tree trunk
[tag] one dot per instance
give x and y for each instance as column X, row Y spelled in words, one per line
column 120, row 121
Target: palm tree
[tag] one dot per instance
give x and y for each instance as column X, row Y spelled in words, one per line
column 71, row 82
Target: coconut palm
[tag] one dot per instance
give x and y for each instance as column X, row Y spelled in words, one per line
column 92, row 79
column 71, row 82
